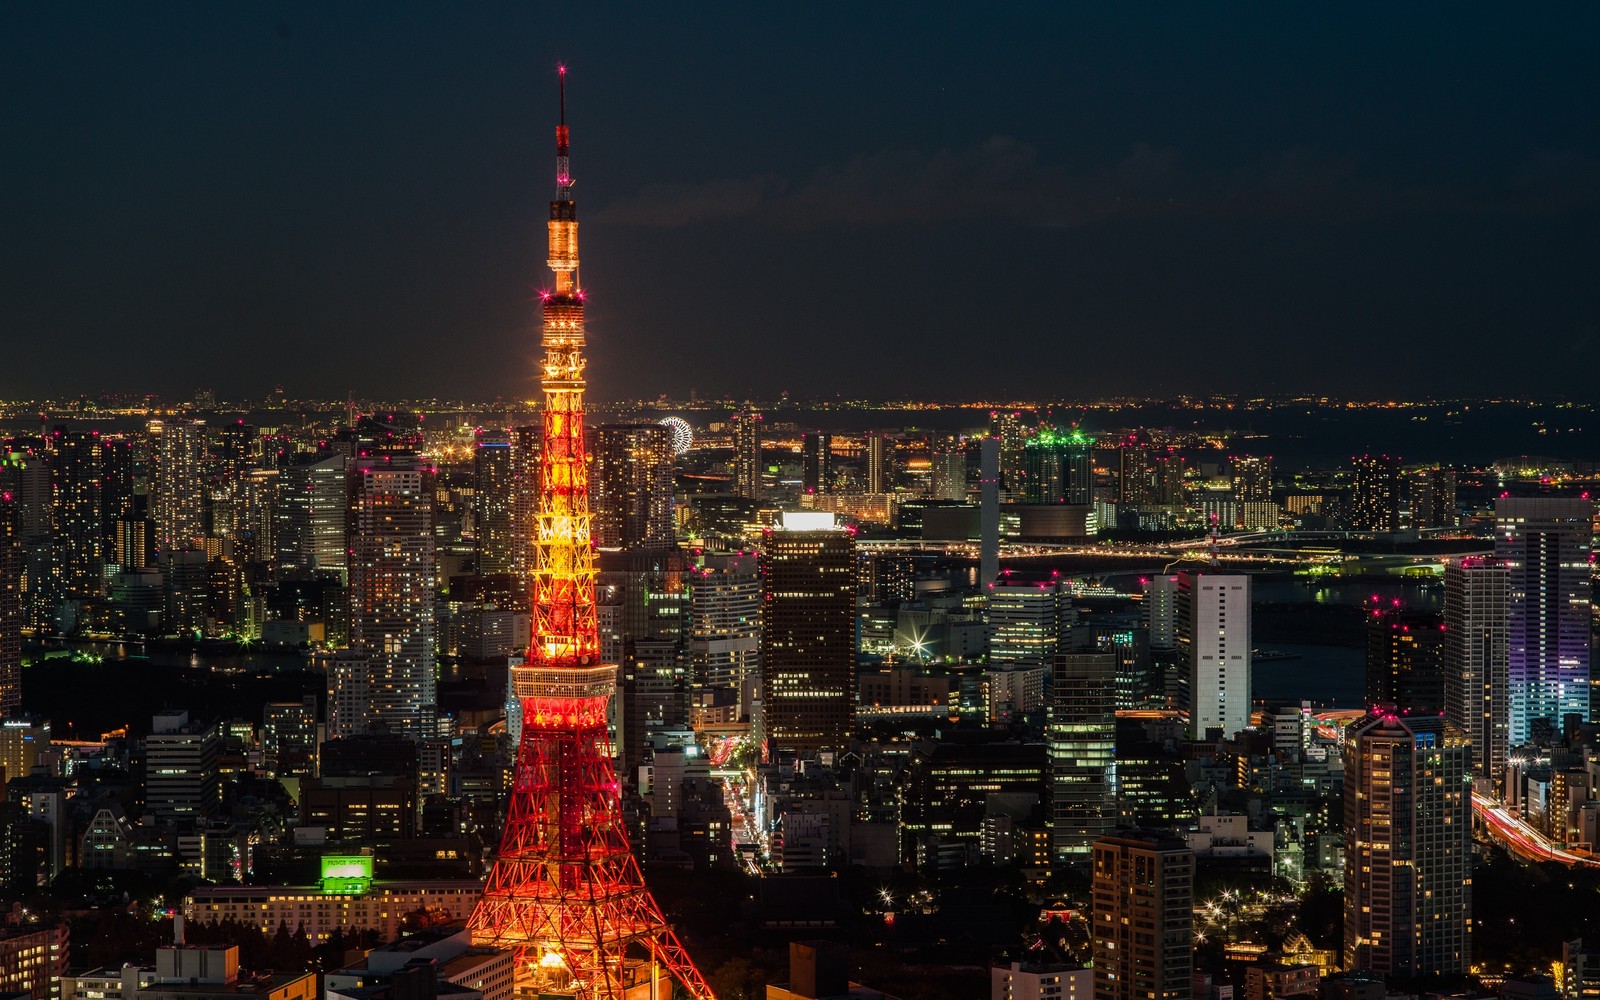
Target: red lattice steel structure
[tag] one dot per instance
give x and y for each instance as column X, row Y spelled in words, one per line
column 566, row 892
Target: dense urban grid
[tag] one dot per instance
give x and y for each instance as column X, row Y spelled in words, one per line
column 1122, row 700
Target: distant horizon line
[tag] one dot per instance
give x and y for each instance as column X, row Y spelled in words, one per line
column 127, row 404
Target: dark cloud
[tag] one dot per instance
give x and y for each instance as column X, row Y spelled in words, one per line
column 1004, row 178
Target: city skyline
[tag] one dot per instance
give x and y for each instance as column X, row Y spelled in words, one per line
column 207, row 185
column 1243, row 694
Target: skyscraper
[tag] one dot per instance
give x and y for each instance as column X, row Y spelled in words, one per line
column 633, row 496
column 78, row 467
column 1405, row 658
column 808, row 638
column 1433, row 499
column 816, row 462
column 526, row 442
column 1408, row 846
column 725, row 621
column 1252, row 478
column 25, row 475
column 179, row 494
column 1028, row 618
column 1252, row 492
column 1167, row 470
column 393, row 588
column 1160, row 611
column 1545, row 543
column 1006, row 427
column 1143, row 917
column 880, row 463
column 1082, row 735
column 311, row 506
column 1058, row 467
column 1477, row 604
column 492, row 498
column 1213, row 617
column 1375, row 495
column 1133, row 474
column 948, row 479
column 11, row 615
column 747, row 454
column 181, row 772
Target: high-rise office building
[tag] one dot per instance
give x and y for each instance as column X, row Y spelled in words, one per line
column 393, row 589
column 1408, row 846
column 1213, row 618
column 880, row 462
column 725, row 621
column 1028, row 619
column 11, row 613
column 178, row 498
column 632, row 486
column 181, row 771
column 1160, row 611
column 310, row 509
column 1143, row 917
column 816, row 462
column 747, row 454
column 1082, row 735
column 492, row 498
column 808, row 637
column 1545, row 542
column 1405, row 658
column 1477, row 605
column 1375, row 494
column 1058, row 467
column 948, row 469
column 1433, row 499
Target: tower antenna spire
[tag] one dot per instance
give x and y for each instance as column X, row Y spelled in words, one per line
column 563, row 143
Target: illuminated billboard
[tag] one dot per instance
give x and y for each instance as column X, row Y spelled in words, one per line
column 346, row 873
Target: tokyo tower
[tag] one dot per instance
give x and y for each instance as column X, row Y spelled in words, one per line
column 565, row 892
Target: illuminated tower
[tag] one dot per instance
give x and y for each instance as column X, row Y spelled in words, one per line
column 566, row 892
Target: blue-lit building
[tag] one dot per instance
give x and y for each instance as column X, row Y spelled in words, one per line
column 1545, row 543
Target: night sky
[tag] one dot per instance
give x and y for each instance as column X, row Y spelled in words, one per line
column 886, row 200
